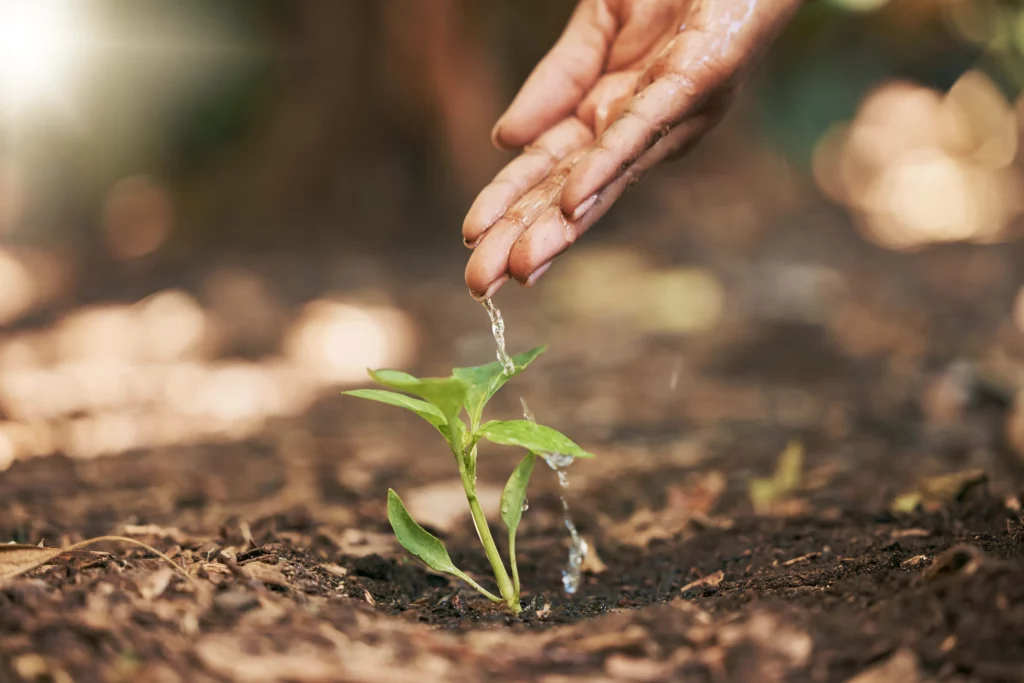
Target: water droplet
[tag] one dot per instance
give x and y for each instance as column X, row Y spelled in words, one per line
column 526, row 504
column 527, row 414
column 558, row 461
column 577, row 546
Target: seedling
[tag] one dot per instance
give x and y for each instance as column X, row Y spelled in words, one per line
column 442, row 402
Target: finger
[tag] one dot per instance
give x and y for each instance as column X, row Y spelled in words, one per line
column 610, row 112
column 561, row 80
column 647, row 118
column 607, row 99
column 553, row 233
column 690, row 68
column 487, row 269
column 648, row 27
column 521, row 174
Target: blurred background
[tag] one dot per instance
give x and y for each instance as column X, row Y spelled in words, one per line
column 213, row 216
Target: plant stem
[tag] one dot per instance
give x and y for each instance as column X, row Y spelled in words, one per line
column 512, row 560
column 483, row 591
column 510, row 594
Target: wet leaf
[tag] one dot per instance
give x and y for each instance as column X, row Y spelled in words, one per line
column 787, row 479
column 531, row 436
column 484, row 381
column 418, row 540
column 427, row 411
column 447, row 394
column 514, row 495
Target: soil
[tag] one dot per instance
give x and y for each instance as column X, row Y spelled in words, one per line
column 296, row 577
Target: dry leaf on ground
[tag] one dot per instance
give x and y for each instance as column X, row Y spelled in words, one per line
column 901, row 666
column 17, row 559
column 709, row 581
column 935, row 493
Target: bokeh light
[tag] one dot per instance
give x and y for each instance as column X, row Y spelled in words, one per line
column 108, row 378
column 137, row 217
column 338, row 342
column 620, row 285
column 920, row 167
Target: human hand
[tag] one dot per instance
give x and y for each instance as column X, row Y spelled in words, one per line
column 629, row 84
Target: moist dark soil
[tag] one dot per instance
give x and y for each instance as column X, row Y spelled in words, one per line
column 907, row 374
column 296, row 577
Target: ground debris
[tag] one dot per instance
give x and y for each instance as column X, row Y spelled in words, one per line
column 803, row 558
column 901, row 667
column 934, row 493
column 961, row 559
column 709, row 581
column 774, row 495
column 267, row 574
column 17, row 559
column 688, row 509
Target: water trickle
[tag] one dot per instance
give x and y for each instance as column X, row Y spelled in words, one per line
column 556, row 461
column 577, row 546
column 498, row 329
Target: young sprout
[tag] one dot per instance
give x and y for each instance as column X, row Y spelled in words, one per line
column 442, row 402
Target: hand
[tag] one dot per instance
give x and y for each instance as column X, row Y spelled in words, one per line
column 629, row 84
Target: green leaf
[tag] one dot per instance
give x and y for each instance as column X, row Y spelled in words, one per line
column 448, row 393
column 418, row 540
column 531, row 436
column 483, row 381
column 514, row 495
column 425, row 545
column 427, row 411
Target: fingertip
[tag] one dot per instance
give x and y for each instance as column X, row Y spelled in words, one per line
column 537, row 274
column 488, row 291
column 588, row 178
column 549, row 236
column 507, row 139
column 583, row 207
column 496, row 135
column 488, row 263
column 511, row 133
column 486, row 209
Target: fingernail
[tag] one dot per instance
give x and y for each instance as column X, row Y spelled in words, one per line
column 587, row 205
column 536, row 275
column 495, row 132
column 491, row 289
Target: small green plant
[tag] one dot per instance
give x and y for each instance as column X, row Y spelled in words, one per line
column 441, row 402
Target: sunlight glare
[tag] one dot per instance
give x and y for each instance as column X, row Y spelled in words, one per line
column 36, row 40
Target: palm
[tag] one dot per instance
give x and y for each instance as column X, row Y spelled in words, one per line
column 629, row 84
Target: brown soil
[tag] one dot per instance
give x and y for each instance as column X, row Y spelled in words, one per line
column 297, row 577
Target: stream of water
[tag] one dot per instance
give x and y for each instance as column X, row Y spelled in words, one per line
column 558, row 462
